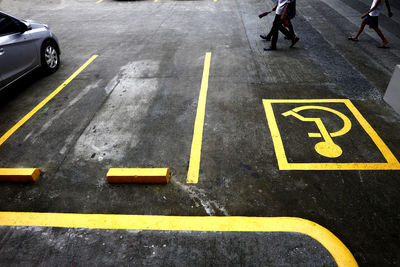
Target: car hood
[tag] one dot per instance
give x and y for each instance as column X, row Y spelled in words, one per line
column 35, row 24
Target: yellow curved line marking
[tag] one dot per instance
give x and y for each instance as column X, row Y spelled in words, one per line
column 336, row 248
column 346, row 121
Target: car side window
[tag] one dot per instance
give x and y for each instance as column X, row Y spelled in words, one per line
column 8, row 25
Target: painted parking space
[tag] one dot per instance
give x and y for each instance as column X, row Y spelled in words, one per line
column 32, row 174
column 325, row 147
column 118, row 175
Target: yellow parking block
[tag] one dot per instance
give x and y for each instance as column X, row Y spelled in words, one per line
column 142, row 176
column 19, row 175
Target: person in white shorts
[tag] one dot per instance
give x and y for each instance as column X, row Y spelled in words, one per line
column 371, row 19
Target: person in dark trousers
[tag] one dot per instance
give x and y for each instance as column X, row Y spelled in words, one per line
column 288, row 21
column 280, row 17
column 371, row 19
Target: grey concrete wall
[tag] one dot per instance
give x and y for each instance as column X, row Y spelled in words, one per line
column 392, row 96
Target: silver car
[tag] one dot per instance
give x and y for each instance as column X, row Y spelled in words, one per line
column 24, row 46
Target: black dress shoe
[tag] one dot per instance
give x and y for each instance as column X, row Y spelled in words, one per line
column 265, row 37
column 294, row 41
column 270, row 48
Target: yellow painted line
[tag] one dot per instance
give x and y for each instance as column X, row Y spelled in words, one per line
column 19, row 175
column 98, row 2
column 336, row 248
column 391, row 164
column 340, row 166
column 195, row 154
column 131, row 175
column 155, row 1
column 390, row 158
column 45, row 101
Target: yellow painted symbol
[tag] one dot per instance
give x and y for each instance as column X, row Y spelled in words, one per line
column 327, row 147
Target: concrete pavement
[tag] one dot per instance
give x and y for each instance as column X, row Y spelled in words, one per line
column 136, row 104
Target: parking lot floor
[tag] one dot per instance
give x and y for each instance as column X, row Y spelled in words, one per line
column 294, row 133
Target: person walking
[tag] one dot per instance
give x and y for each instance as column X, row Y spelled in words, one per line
column 371, row 19
column 288, row 21
column 282, row 9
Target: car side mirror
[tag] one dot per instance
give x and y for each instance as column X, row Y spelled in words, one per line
column 24, row 27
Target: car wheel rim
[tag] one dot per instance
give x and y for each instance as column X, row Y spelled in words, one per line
column 51, row 57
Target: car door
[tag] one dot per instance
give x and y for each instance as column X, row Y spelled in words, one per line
column 17, row 51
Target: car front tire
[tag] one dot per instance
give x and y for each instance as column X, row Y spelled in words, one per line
column 50, row 57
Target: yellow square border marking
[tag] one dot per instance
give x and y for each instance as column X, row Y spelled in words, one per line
column 391, row 164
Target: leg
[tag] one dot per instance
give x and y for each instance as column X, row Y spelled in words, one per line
column 360, row 30
column 268, row 36
column 290, row 27
column 289, row 33
column 379, row 32
column 286, row 32
column 275, row 31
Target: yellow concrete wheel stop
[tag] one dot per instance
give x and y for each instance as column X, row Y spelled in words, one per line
column 138, row 175
column 19, row 175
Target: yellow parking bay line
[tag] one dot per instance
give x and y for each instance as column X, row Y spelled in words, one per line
column 336, row 248
column 98, row 2
column 195, row 154
column 44, row 102
column 131, row 175
column 19, row 175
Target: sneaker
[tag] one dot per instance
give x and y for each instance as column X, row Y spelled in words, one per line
column 265, row 37
column 270, row 48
